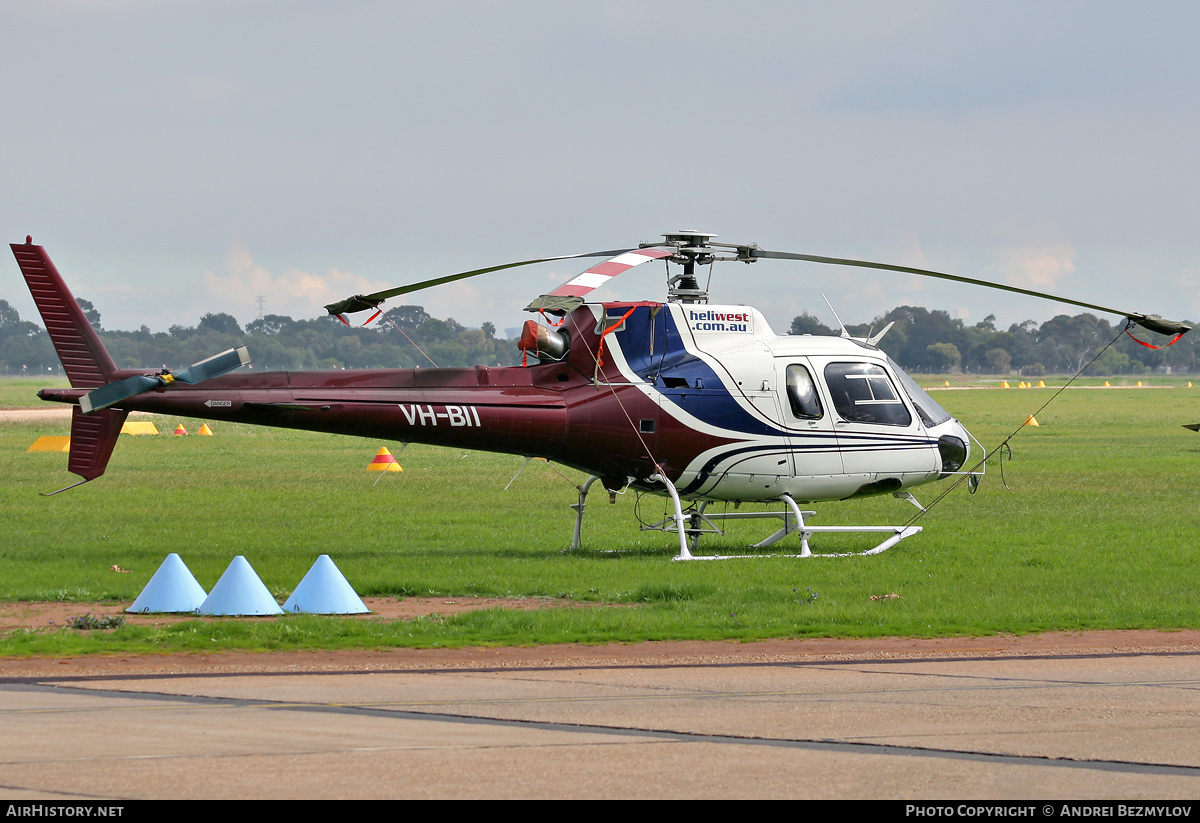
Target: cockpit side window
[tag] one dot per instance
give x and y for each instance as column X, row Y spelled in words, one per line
column 802, row 393
column 931, row 413
column 863, row 393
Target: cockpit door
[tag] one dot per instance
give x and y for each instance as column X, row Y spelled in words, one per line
column 816, row 457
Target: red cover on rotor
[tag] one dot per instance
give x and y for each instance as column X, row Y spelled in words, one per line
column 529, row 335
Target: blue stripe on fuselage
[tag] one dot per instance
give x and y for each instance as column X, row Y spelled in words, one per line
column 665, row 355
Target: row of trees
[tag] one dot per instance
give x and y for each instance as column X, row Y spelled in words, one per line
column 921, row 340
column 406, row 338
column 933, row 341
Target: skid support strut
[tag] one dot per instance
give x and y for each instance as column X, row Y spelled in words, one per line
column 579, row 507
column 684, row 554
column 805, row 551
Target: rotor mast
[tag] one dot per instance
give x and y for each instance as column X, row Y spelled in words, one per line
column 692, row 248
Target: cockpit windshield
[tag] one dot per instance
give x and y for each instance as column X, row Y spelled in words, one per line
column 931, row 413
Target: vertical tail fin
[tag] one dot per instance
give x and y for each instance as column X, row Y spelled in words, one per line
column 84, row 358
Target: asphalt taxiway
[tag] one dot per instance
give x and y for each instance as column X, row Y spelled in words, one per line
column 986, row 718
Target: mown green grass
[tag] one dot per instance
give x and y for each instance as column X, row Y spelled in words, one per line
column 21, row 392
column 1098, row 528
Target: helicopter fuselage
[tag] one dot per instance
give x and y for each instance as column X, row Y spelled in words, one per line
column 706, row 395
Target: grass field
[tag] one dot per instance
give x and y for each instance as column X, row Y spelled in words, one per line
column 1098, row 528
column 21, row 392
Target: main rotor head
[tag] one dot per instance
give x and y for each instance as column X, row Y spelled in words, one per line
column 693, row 248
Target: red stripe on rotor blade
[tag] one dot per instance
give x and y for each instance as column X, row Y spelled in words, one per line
column 609, row 268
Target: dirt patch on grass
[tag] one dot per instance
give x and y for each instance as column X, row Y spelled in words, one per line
column 51, row 614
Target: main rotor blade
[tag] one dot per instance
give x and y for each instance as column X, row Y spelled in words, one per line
column 1150, row 321
column 362, row 302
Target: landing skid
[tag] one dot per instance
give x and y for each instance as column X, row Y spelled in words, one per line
column 694, row 522
column 703, row 523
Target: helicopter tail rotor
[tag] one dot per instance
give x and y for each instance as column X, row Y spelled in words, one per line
column 114, row 393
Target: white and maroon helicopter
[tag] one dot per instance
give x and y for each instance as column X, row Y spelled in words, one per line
column 689, row 400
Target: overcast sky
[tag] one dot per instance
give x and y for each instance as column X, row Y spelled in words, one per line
column 183, row 157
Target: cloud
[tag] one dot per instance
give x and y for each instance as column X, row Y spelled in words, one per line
column 1189, row 284
column 1037, row 265
column 293, row 292
column 911, row 253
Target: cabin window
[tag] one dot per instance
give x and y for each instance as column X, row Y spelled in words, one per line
column 802, row 393
column 863, row 393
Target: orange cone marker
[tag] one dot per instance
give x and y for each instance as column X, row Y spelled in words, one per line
column 205, row 430
column 1031, row 421
column 180, row 429
column 384, row 462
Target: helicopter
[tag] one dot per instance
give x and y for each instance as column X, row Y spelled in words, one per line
column 685, row 399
